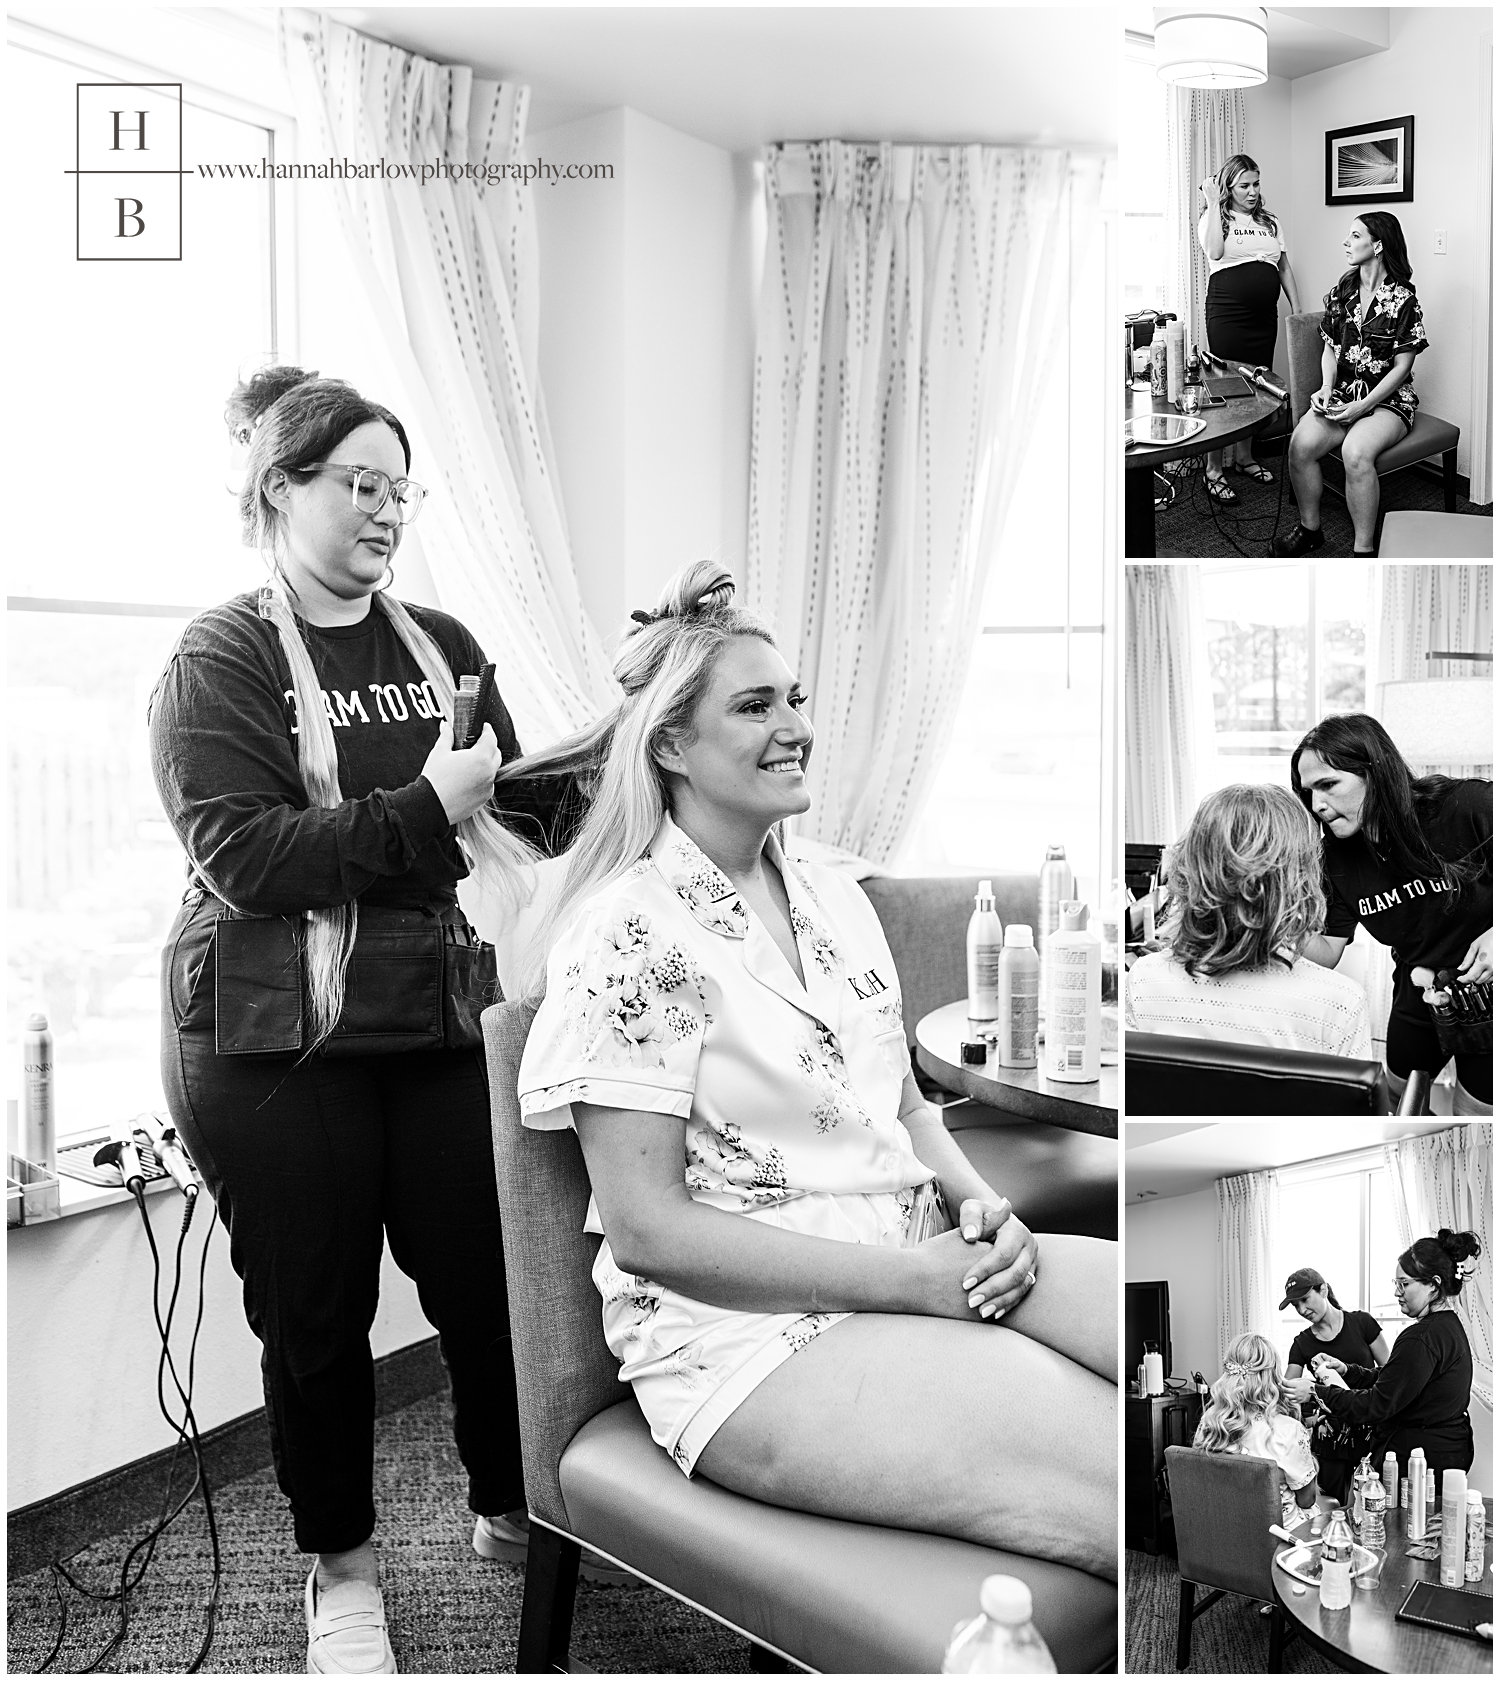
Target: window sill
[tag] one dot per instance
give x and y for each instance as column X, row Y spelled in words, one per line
column 75, row 1197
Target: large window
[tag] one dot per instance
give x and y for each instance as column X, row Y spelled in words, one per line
column 1286, row 647
column 1339, row 1216
column 1026, row 764
column 126, row 527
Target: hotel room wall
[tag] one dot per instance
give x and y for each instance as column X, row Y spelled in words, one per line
column 1433, row 71
column 1268, row 139
column 647, row 351
column 1177, row 1239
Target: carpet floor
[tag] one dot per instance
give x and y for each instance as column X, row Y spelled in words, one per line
column 1230, row 1638
column 450, row 1612
column 1195, row 526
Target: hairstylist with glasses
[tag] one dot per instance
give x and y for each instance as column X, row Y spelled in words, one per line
column 1420, row 1397
column 321, row 988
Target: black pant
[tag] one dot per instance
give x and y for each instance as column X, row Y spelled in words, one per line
column 311, row 1166
column 1412, row 1042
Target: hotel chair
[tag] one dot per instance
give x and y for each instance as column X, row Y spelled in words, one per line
column 1166, row 1075
column 1223, row 1505
column 1408, row 534
column 1429, row 436
column 1057, row 1180
column 808, row 1592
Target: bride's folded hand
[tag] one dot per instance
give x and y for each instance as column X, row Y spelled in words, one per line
column 979, row 1279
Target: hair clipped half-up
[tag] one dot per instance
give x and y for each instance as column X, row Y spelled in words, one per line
column 663, row 666
column 1249, row 1390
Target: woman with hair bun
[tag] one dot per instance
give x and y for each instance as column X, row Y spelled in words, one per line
column 1372, row 335
column 1410, row 858
column 1420, row 1397
column 1245, row 897
column 1247, row 1413
column 321, row 1052
column 722, row 1027
column 1248, row 269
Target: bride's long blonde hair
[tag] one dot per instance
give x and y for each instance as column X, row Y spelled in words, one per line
column 663, row 667
column 290, row 420
column 1248, row 1391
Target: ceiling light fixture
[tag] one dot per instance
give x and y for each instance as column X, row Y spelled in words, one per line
column 1213, row 46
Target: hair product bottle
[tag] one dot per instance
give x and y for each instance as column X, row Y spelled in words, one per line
column 1416, row 1500
column 1019, row 995
column 1159, row 361
column 1055, row 885
column 1071, row 1039
column 985, row 938
column 38, row 1127
column 1176, row 361
column 1455, row 1521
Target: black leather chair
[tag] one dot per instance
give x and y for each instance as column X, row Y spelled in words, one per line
column 808, row 1592
column 1165, row 1075
column 1223, row 1505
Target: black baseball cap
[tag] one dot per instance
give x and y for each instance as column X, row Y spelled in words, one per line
column 1299, row 1283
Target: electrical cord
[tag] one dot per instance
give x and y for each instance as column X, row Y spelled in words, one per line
column 131, row 1572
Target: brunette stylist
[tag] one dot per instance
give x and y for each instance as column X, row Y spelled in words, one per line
column 321, row 1051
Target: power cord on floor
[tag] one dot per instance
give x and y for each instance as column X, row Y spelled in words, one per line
column 131, row 1571
column 1196, row 474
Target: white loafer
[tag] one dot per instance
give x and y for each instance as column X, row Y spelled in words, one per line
column 506, row 1539
column 346, row 1630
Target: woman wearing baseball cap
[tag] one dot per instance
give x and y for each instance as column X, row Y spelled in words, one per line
column 1348, row 1335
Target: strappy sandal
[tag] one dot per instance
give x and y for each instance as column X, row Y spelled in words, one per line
column 1254, row 470
column 1219, row 490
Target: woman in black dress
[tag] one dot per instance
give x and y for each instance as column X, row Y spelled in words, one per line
column 1248, row 269
column 1420, row 1397
column 321, row 987
column 1372, row 334
column 1351, row 1336
column 1410, row 858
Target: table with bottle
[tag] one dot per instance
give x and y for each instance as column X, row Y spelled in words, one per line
column 1344, row 1595
column 1176, row 388
column 1037, row 1036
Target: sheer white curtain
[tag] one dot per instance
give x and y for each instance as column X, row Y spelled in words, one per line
column 1205, row 128
column 449, row 270
column 1249, row 1209
column 914, row 298
column 1483, row 353
column 1427, row 609
column 1168, row 703
column 1443, row 1179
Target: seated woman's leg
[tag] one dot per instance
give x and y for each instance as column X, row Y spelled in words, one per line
column 1072, row 1307
column 952, row 1426
column 1311, row 441
column 1364, row 443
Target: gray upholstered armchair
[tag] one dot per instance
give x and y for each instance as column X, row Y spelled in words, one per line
column 808, row 1592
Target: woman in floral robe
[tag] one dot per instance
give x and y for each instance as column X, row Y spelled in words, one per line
column 1372, row 334
column 722, row 1027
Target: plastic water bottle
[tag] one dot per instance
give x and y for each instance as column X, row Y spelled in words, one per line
column 1372, row 1525
column 1336, row 1583
column 1357, row 1494
column 1001, row 1640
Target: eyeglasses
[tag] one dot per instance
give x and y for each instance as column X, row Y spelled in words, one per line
column 371, row 489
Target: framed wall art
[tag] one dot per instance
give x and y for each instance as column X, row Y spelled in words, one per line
column 1371, row 163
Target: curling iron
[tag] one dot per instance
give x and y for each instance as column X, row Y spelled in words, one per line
column 1262, row 376
column 121, row 1153
column 162, row 1137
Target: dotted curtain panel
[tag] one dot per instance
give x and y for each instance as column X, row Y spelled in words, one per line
column 449, row 267
column 914, row 299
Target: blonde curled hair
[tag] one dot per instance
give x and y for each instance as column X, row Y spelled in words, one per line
column 663, row 666
column 1249, row 1391
column 291, row 420
column 1246, row 881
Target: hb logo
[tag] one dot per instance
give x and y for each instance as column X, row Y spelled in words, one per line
column 129, row 175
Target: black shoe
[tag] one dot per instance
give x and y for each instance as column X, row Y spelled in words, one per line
column 1298, row 543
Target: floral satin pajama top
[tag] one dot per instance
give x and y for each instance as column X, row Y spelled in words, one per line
column 666, row 994
column 1368, row 349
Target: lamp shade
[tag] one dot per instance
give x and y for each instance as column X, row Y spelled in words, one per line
column 1440, row 720
column 1213, row 46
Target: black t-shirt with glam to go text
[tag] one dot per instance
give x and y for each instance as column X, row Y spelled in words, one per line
column 1425, row 924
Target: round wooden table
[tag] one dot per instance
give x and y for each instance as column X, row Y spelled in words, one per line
column 1022, row 1092
column 1366, row 1638
column 1239, row 418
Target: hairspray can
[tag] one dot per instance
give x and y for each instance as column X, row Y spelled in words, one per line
column 1055, row 885
column 1455, row 1518
column 1390, row 1475
column 1018, row 990
column 38, row 1126
column 1416, row 1504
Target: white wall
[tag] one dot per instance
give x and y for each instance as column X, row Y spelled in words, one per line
column 81, row 1346
column 1432, row 71
column 1178, row 1239
column 1268, row 139
column 647, row 351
